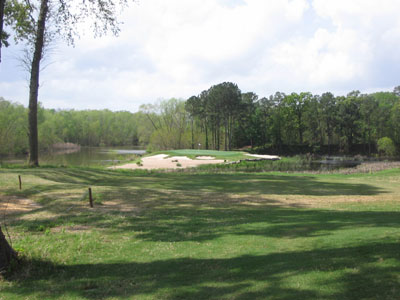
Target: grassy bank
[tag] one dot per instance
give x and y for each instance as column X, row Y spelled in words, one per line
column 202, row 236
column 285, row 164
column 193, row 153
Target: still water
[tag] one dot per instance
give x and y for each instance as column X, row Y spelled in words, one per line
column 85, row 156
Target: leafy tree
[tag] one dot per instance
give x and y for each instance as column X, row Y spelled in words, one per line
column 396, row 91
column 231, row 106
column 313, row 122
column 386, row 101
column 50, row 19
column 249, row 120
column 368, row 109
column 395, row 121
column 386, row 146
column 328, row 115
column 12, row 128
column 294, row 110
column 348, row 119
column 15, row 15
column 170, row 124
column 202, row 114
column 263, row 112
column 192, row 107
column 2, row 35
column 214, row 111
column 277, row 111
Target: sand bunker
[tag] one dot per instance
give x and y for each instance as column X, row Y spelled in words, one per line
column 162, row 161
column 272, row 157
column 205, row 157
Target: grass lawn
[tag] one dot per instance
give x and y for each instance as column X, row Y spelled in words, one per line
column 192, row 153
column 202, row 236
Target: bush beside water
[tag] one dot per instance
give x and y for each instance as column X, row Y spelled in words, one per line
column 299, row 163
column 296, row 163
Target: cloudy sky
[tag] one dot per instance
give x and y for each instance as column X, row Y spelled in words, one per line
column 177, row 48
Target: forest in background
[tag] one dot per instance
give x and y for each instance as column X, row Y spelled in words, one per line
column 86, row 128
column 222, row 118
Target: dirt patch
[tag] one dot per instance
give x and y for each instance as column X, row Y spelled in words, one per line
column 162, row 161
column 13, row 204
column 120, row 206
column 72, row 229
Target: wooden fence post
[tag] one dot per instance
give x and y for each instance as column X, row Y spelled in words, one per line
column 90, row 197
column 20, row 182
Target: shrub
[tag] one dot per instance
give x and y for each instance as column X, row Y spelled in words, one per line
column 386, row 146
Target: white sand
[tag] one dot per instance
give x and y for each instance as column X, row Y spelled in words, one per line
column 205, row 157
column 179, row 158
column 264, row 156
column 158, row 156
column 162, row 161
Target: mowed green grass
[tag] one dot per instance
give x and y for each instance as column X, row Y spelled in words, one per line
column 203, row 236
column 193, row 153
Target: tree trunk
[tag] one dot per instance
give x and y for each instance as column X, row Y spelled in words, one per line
column 329, row 143
column 226, row 135
column 34, row 84
column 230, row 133
column 218, row 136
column 206, row 136
column 192, row 135
column 300, row 129
column 2, row 4
column 213, row 135
column 7, row 254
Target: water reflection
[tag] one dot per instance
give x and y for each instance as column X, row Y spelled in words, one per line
column 83, row 156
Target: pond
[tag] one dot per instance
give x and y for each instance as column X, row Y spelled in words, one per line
column 85, row 156
column 334, row 162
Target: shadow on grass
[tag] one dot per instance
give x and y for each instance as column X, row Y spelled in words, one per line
column 158, row 216
column 338, row 273
column 179, row 208
column 226, row 183
column 176, row 225
column 173, row 208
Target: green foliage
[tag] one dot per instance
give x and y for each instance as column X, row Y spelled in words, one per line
column 287, row 164
column 17, row 19
column 191, row 153
column 13, row 123
column 222, row 118
column 386, row 146
column 170, row 126
column 205, row 236
column 86, row 128
column 323, row 123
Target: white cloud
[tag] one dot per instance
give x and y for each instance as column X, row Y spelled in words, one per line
column 322, row 59
column 187, row 46
column 177, row 48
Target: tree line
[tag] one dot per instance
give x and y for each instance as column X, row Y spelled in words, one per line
column 86, row 128
column 221, row 118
